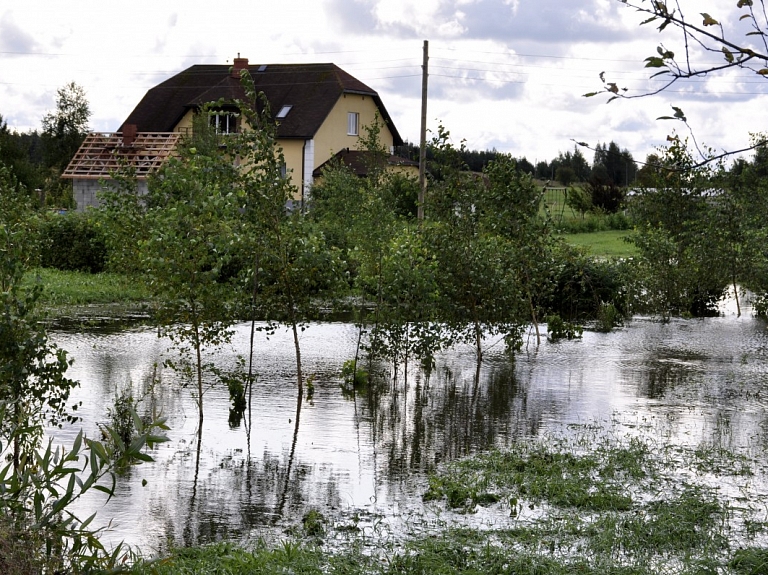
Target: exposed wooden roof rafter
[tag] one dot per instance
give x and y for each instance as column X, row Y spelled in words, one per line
column 101, row 155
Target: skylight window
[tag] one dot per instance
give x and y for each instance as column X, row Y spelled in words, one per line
column 284, row 111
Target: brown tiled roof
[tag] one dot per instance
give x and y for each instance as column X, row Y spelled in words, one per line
column 359, row 161
column 311, row 89
column 100, row 155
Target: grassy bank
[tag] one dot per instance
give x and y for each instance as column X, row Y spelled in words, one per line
column 63, row 288
column 577, row 504
column 605, row 244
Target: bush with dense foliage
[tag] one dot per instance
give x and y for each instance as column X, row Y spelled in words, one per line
column 72, row 242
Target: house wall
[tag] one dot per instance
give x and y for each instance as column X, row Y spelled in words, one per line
column 293, row 154
column 332, row 135
column 185, row 124
column 330, row 138
column 85, row 192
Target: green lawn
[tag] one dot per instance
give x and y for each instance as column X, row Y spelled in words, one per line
column 607, row 244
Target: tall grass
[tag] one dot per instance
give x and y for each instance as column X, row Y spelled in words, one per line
column 66, row 288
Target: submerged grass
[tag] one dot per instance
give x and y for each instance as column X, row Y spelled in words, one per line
column 595, row 482
column 576, row 504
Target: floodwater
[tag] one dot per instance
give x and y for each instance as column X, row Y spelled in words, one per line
column 687, row 381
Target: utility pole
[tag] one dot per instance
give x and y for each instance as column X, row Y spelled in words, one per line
column 423, row 136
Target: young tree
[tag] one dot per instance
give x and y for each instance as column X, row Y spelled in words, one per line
column 483, row 236
column 38, row 485
column 184, row 244
column 31, row 368
column 294, row 268
column 680, row 263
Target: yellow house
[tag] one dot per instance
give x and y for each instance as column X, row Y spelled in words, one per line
column 319, row 108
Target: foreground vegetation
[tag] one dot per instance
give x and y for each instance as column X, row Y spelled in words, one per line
column 581, row 503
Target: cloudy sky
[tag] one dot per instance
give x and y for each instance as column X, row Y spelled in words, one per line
column 504, row 74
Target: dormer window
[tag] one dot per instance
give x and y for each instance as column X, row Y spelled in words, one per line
column 224, row 122
column 284, row 111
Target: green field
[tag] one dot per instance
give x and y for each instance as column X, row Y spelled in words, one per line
column 606, row 244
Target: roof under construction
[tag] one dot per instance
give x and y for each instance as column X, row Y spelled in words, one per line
column 101, row 155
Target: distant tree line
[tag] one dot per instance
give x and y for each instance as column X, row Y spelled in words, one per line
column 472, row 160
column 611, row 164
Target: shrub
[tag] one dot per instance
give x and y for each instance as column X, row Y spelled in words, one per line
column 558, row 329
column 583, row 284
column 121, row 415
column 72, row 242
column 608, row 317
column 353, row 374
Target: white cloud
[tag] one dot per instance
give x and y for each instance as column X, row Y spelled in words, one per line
column 503, row 73
column 13, row 40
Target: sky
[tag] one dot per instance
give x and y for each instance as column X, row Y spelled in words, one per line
column 508, row 75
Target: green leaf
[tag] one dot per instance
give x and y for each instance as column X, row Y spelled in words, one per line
column 104, row 489
column 142, row 457
column 77, row 443
column 708, row 20
column 590, row 94
column 87, row 522
column 728, row 55
column 742, row 3
column 59, row 505
column 654, row 62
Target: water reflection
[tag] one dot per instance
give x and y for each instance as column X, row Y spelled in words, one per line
column 690, row 381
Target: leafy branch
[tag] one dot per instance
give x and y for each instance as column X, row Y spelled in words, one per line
column 709, row 36
column 735, row 54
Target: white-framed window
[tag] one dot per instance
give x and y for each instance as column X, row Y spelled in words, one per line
column 224, row 122
column 353, row 124
column 284, row 111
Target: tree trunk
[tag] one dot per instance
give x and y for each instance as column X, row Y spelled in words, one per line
column 534, row 320
column 199, row 358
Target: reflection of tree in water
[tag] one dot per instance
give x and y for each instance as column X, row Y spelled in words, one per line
column 458, row 410
column 663, row 369
column 242, row 493
column 662, row 377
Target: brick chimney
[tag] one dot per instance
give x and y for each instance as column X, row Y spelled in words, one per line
column 129, row 134
column 240, row 64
